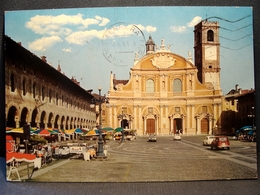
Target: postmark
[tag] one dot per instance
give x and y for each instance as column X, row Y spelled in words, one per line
column 122, row 42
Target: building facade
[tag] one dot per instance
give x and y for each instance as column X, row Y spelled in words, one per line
column 167, row 92
column 238, row 110
column 41, row 96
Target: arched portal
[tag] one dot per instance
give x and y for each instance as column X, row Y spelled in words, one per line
column 42, row 122
column 150, row 126
column 11, row 117
column 125, row 124
column 50, row 120
column 23, row 120
column 33, row 119
column 56, row 122
column 177, row 125
column 204, row 126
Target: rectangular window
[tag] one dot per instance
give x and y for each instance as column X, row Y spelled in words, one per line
column 124, row 109
column 204, row 109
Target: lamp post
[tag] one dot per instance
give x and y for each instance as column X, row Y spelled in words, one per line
column 99, row 101
column 121, row 116
column 252, row 116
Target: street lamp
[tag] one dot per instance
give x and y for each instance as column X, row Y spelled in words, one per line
column 99, row 102
column 121, row 116
column 252, row 116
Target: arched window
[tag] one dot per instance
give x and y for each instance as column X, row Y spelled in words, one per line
column 12, row 83
column 57, row 99
column 43, row 93
column 149, row 86
column 24, row 87
column 34, row 90
column 210, row 35
column 177, row 85
column 198, row 38
column 50, row 96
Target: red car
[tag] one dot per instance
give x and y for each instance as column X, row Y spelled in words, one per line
column 220, row 142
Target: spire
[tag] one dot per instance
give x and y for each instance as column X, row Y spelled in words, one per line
column 59, row 69
column 150, row 45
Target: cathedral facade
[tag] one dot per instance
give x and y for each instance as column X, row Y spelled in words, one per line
column 168, row 93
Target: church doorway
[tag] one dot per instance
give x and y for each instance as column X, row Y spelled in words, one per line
column 150, row 126
column 204, row 126
column 177, row 125
column 124, row 124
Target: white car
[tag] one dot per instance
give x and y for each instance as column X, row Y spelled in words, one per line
column 152, row 138
column 177, row 137
column 207, row 140
column 130, row 137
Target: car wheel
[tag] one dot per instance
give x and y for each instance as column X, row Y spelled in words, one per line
column 228, row 148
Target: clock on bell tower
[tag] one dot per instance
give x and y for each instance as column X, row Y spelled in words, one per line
column 207, row 52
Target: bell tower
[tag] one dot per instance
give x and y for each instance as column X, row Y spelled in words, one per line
column 207, row 52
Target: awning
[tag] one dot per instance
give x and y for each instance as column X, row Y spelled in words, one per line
column 10, row 156
column 42, row 132
column 70, row 131
column 118, row 129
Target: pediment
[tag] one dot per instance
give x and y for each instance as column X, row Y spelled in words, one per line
column 163, row 61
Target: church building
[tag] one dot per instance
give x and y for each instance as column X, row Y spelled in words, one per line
column 167, row 92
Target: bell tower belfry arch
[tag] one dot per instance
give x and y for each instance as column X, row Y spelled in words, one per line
column 207, row 52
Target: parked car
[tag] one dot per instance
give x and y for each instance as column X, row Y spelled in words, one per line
column 152, row 138
column 207, row 140
column 220, row 142
column 117, row 136
column 130, row 137
column 251, row 135
column 177, row 137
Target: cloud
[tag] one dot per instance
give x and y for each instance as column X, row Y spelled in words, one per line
column 104, row 22
column 194, row 21
column 62, row 24
column 44, row 43
column 81, row 37
column 150, row 29
column 181, row 29
column 178, row 29
column 67, row 50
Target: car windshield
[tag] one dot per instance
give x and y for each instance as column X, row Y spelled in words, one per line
column 222, row 139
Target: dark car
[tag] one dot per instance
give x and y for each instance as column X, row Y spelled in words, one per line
column 251, row 135
column 220, row 142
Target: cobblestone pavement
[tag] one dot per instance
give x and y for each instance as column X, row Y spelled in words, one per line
column 164, row 160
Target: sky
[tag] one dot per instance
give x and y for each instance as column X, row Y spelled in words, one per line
column 89, row 43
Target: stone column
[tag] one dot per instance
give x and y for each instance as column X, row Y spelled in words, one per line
column 135, row 118
column 115, row 115
column 210, row 125
column 140, row 125
column 166, row 114
column 171, row 125
column 198, row 129
column 193, row 116
column 183, row 123
column 156, row 125
column 144, row 118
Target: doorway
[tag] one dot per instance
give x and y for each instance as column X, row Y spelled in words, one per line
column 150, row 126
column 177, row 125
column 204, row 126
